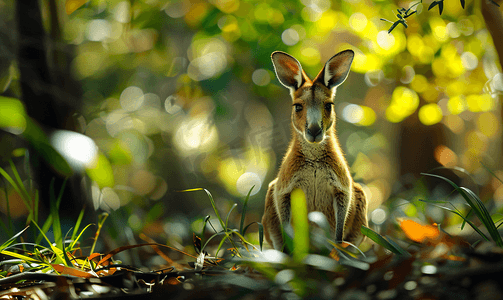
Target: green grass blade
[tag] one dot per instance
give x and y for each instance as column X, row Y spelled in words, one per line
column 45, row 228
column 380, row 240
column 35, row 206
column 12, row 239
column 58, row 252
column 101, row 221
column 16, row 188
column 478, row 206
column 10, row 226
column 491, row 172
column 501, row 222
column 20, row 183
column 77, row 224
column 210, row 238
column 485, row 218
column 300, row 224
column 56, row 225
column 17, row 255
column 260, row 232
column 75, row 240
column 228, row 215
column 465, row 219
column 221, row 244
column 206, row 219
column 243, row 213
column 260, row 235
column 212, row 203
column 5, row 228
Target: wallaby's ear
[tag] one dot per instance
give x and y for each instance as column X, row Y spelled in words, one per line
column 336, row 69
column 288, row 70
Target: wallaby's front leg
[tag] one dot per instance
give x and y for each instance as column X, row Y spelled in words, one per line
column 357, row 216
column 271, row 221
column 341, row 201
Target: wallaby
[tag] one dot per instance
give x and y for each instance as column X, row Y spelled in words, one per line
column 314, row 161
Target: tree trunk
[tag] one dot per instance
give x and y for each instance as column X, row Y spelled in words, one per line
column 50, row 95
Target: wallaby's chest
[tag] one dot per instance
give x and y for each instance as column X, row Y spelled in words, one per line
column 320, row 183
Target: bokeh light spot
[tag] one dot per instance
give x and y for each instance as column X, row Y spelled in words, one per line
column 488, row 124
column 469, row 60
column 445, row 156
column 430, row 114
column 456, row 105
column 290, row 37
column 246, row 181
column 352, row 113
column 98, row 30
column 358, row 22
column 378, row 216
column 261, row 77
column 131, row 98
column 385, row 40
column 78, row 150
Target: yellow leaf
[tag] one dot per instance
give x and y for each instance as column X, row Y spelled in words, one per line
column 73, row 5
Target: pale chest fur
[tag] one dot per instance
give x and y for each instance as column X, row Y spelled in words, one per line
column 320, row 175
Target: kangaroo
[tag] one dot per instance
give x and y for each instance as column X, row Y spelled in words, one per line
column 314, row 161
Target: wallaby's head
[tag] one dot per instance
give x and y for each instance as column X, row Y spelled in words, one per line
column 313, row 100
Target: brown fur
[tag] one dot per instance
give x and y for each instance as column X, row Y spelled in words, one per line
column 314, row 161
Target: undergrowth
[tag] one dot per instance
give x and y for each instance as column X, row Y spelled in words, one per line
column 310, row 261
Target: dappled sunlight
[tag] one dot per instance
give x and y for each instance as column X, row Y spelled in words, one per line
column 430, row 114
column 453, row 50
column 79, row 150
column 404, row 102
column 167, row 115
column 183, row 94
column 196, row 134
column 446, row 156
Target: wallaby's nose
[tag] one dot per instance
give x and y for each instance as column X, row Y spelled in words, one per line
column 314, row 133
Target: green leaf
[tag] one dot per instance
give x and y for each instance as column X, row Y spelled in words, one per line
column 13, row 116
column 478, row 207
column 102, row 172
column 77, row 225
column 465, row 219
column 58, row 252
column 20, row 256
column 380, row 240
column 212, row 203
column 12, row 239
column 206, row 219
column 25, row 193
column 56, row 225
column 260, row 234
column 17, row 188
column 300, row 224
column 101, row 220
column 77, row 238
column 228, row 215
column 243, row 213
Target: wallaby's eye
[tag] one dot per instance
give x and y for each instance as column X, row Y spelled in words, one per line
column 298, row 107
column 328, row 107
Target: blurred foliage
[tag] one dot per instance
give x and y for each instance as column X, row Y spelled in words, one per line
column 182, row 94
